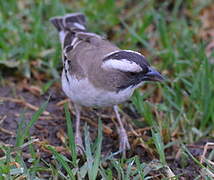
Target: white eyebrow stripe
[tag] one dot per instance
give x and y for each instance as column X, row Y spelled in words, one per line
column 122, row 65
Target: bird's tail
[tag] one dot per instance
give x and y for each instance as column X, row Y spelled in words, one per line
column 73, row 21
column 68, row 24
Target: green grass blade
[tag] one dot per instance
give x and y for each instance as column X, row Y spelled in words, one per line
column 71, row 138
column 30, row 124
column 97, row 157
column 88, row 152
column 62, row 161
column 139, row 167
column 159, row 146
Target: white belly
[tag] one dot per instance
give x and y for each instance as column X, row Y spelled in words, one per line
column 83, row 93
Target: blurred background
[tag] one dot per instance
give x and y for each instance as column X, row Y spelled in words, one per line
column 176, row 36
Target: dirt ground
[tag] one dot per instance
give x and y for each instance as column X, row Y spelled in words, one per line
column 51, row 127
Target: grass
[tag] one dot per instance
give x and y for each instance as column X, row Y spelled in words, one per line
column 167, row 33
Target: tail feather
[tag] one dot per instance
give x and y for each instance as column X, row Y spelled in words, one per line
column 58, row 23
column 73, row 21
column 76, row 20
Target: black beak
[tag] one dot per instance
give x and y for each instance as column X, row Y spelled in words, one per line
column 153, row 75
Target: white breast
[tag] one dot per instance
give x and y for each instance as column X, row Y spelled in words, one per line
column 84, row 93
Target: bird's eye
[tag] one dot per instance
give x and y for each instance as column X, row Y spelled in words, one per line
column 145, row 70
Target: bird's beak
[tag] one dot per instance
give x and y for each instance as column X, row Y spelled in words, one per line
column 153, row 75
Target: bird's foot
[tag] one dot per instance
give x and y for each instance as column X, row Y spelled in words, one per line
column 79, row 145
column 124, row 142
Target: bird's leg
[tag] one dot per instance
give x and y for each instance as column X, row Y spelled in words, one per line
column 124, row 143
column 78, row 136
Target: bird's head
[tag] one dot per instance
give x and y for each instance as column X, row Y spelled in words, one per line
column 132, row 64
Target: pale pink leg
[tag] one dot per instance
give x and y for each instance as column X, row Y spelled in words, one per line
column 124, row 143
column 78, row 136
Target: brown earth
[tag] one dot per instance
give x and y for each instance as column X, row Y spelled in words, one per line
column 51, row 127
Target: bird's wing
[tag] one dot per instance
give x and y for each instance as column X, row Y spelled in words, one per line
column 87, row 50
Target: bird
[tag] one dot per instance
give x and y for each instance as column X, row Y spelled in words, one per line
column 97, row 73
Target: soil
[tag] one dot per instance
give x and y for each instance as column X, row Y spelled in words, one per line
column 51, row 129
